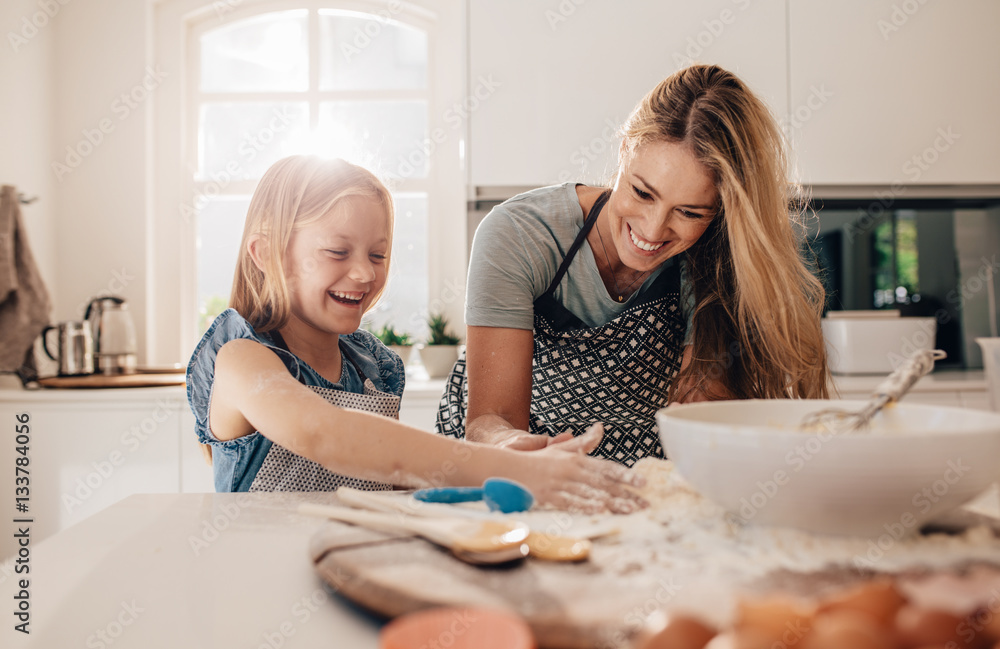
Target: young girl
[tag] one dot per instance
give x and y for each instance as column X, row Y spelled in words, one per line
column 292, row 396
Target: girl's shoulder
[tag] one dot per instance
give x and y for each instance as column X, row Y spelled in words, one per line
column 229, row 325
column 377, row 359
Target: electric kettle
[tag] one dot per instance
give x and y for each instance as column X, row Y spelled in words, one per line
column 114, row 335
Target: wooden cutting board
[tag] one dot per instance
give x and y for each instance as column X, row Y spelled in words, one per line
column 568, row 606
column 137, row 380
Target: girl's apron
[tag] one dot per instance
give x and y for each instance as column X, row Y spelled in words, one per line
column 618, row 373
column 283, row 470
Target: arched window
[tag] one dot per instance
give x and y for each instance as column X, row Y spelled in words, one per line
column 381, row 83
column 317, row 80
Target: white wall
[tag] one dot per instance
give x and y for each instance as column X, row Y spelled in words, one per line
column 26, row 104
column 100, row 54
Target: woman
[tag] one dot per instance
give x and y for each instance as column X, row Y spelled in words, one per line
column 682, row 282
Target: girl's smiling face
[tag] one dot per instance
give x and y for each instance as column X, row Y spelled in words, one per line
column 335, row 267
column 663, row 201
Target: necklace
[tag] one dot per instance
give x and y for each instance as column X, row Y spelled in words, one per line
column 618, row 292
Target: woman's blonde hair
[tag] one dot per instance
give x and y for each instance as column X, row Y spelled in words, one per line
column 757, row 305
column 295, row 192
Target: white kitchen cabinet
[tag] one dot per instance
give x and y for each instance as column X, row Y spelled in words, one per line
column 90, row 448
column 549, row 83
column 895, row 92
column 420, row 401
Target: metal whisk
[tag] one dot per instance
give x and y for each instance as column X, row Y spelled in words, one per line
column 891, row 389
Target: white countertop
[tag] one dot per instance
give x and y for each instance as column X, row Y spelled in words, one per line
column 188, row 570
column 939, row 381
column 420, row 387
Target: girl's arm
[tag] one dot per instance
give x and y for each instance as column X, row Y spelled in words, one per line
column 254, row 391
column 498, row 363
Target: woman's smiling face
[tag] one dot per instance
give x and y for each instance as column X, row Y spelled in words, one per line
column 663, row 201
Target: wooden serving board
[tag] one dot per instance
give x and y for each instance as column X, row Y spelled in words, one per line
column 568, row 606
column 137, row 380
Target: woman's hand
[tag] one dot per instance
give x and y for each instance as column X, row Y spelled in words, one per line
column 563, row 476
column 498, row 362
column 521, row 440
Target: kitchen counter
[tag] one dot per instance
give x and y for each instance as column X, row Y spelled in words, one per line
column 187, row 570
column 234, row 570
column 939, row 381
column 91, row 395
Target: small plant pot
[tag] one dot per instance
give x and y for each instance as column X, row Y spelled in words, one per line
column 403, row 351
column 438, row 359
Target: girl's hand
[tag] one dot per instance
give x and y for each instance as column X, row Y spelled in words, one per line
column 568, row 479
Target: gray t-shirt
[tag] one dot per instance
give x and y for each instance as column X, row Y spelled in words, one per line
column 516, row 252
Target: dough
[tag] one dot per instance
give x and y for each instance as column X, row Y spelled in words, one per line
column 659, row 480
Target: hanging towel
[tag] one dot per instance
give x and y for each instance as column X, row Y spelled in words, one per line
column 24, row 301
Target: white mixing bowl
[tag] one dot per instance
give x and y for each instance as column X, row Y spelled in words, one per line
column 914, row 463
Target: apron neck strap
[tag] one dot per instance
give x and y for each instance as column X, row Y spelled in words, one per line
column 588, row 225
column 279, row 341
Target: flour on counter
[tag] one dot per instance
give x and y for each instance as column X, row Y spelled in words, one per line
column 687, row 541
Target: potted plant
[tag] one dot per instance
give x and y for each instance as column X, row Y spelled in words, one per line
column 441, row 350
column 397, row 342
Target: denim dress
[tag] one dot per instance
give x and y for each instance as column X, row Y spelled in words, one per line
column 372, row 379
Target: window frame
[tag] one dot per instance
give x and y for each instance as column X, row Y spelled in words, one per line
column 172, row 330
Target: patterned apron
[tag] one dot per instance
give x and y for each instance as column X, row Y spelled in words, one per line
column 618, row 373
column 283, row 470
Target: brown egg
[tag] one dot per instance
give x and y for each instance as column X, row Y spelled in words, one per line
column 774, row 619
column 987, row 621
column 847, row 629
column 722, row 641
column 878, row 598
column 681, row 633
column 920, row 627
column 750, row 638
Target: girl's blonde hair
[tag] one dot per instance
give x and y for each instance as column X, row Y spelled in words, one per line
column 295, row 192
column 757, row 305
